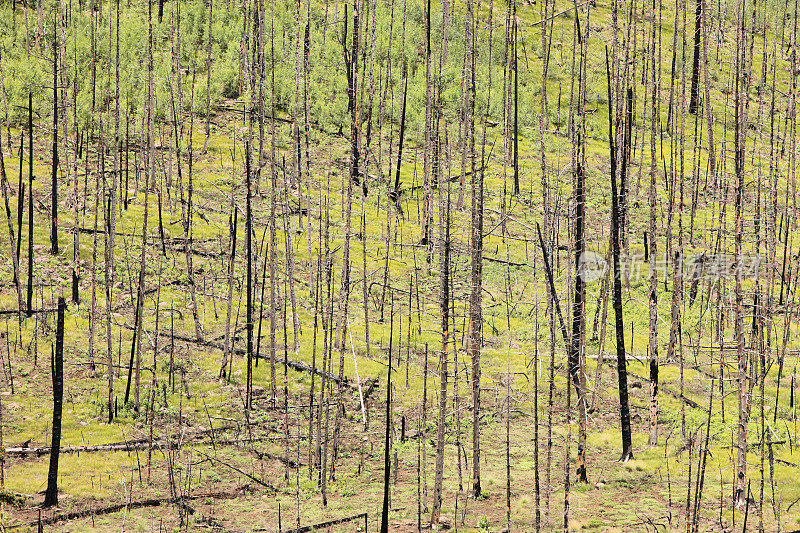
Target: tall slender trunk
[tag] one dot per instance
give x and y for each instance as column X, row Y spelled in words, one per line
column 344, row 291
column 428, row 150
column 108, row 259
column 694, row 98
column 655, row 127
column 136, row 345
column 476, row 268
column 54, row 175
column 273, row 206
column 578, row 340
column 742, row 378
column 208, row 74
column 29, row 299
column 112, row 217
column 249, row 287
column 227, row 351
column 20, row 197
column 188, row 232
column 384, row 526
column 11, row 237
column 622, row 373
column 51, row 496
column 444, row 306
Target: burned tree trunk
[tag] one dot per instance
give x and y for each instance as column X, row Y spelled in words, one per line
column 475, row 315
column 136, row 343
column 51, row 496
column 12, row 241
column 208, row 74
column 655, row 126
column 249, row 287
column 54, row 191
column 353, row 178
column 444, row 285
column 388, row 435
column 622, row 372
column 694, row 98
column 29, row 299
column 231, row 271
column 578, row 339
column 742, row 378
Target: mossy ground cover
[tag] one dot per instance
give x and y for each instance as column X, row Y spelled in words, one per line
column 649, row 492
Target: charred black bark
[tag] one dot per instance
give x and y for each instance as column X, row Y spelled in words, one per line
column 51, row 496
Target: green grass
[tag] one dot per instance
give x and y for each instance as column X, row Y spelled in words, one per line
column 622, row 496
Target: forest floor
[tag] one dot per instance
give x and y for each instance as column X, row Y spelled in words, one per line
column 229, row 479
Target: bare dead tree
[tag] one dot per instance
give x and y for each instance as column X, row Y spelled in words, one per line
column 384, row 526
column 54, row 164
column 11, row 237
column 249, row 287
column 136, row 344
column 444, row 305
column 655, row 127
column 208, row 73
column 476, row 256
column 51, row 496
column 694, row 100
column 622, row 374
column 578, row 338
column 740, row 139
column 29, row 297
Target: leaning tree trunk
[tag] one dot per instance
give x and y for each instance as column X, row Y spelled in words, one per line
column 11, row 237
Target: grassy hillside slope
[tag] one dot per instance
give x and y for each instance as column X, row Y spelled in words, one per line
column 200, row 451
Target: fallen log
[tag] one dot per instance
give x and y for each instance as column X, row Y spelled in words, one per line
column 138, row 446
column 452, row 179
column 152, row 502
column 294, row 365
column 111, row 446
column 170, row 442
column 18, row 311
column 371, row 386
column 238, row 470
column 329, row 523
column 302, row 367
column 115, row 508
column 503, row 261
column 676, row 395
column 146, row 292
column 266, row 455
column 152, row 240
